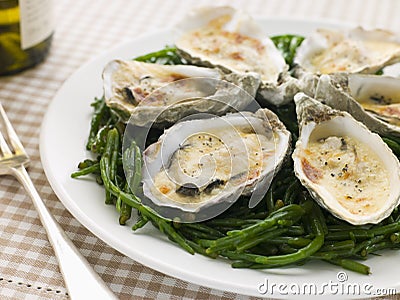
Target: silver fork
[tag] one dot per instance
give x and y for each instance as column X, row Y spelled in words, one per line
column 81, row 280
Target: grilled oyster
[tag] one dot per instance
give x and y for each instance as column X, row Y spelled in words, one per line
column 134, row 88
column 371, row 99
column 347, row 169
column 353, row 51
column 205, row 162
column 232, row 41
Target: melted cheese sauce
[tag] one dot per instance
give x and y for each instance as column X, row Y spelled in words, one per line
column 350, row 170
column 384, row 108
column 233, row 50
column 137, row 83
column 340, row 57
column 348, row 54
column 213, row 162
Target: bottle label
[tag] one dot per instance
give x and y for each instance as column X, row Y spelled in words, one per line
column 36, row 20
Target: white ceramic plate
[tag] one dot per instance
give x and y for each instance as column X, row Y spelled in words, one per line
column 62, row 146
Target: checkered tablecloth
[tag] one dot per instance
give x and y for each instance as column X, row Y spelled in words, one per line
column 86, row 28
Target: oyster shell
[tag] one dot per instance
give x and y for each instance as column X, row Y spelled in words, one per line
column 347, row 169
column 231, row 40
column 204, row 162
column 163, row 94
column 392, row 70
column 371, row 99
column 354, row 51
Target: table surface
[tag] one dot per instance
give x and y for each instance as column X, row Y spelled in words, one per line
column 85, row 28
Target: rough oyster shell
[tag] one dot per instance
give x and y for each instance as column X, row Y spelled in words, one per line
column 163, row 94
column 232, row 41
column 347, row 169
column 371, row 99
column 354, row 51
column 204, row 162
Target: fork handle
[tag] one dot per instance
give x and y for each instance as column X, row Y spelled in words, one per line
column 81, row 280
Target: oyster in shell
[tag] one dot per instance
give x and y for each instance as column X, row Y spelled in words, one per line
column 354, row 51
column 347, row 169
column 231, row 40
column 204, row 162
column 163, row 94
column 371, row 99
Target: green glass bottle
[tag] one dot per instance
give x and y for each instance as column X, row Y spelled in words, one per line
column 26, row 30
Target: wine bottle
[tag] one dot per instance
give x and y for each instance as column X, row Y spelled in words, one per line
column 26, row 31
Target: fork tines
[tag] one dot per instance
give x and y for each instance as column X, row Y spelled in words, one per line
column 10, row 145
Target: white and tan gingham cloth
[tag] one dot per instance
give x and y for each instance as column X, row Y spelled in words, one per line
column 86, row 28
